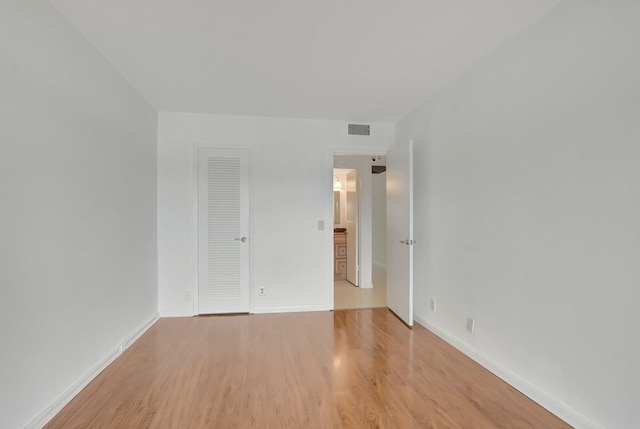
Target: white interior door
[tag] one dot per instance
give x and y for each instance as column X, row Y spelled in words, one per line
column 353, row 271
column 400, row 231
column 223, row 231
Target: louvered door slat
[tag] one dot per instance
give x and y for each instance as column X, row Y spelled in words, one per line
column 223, row 216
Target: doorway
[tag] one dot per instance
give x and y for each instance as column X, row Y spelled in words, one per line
column 360, row 220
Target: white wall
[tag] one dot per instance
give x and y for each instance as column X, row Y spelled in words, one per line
column 78, row 209
column 292, row 190
column 528, row 211
column 379, row 220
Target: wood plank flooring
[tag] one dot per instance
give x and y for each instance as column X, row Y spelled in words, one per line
column 344, row 369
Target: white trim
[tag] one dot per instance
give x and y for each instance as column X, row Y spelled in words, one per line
column 293, row 308
column 553, row 405
column 195, row 297
column 366, row 286
column 331, row 246
column 41, row 419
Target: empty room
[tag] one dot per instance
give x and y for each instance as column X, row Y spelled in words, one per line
column 189, row 188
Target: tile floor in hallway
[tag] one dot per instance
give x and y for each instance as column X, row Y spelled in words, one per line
column 348, row 296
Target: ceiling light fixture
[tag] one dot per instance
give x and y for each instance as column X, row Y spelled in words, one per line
column 337, row 186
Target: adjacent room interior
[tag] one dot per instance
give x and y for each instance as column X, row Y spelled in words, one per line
column 359, row 252
column 165, row 164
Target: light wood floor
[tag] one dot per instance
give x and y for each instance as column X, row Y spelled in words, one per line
column 343, row 369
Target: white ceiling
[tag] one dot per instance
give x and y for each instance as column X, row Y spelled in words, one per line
column 355, row 60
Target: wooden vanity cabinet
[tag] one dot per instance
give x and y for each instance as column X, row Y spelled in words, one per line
column 340, row 255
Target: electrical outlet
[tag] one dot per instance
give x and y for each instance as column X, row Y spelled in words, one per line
column 470, row 324
column 432, row 305
column 187, row 294
column 262, row 291
column 320, row 225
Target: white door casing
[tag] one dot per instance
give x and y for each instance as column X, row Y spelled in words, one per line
column 223, row 231
column 400, row 231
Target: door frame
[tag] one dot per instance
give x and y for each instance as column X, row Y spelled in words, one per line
column 344, row 152
column 195, row 287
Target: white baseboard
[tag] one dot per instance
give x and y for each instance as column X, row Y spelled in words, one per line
column 164, row 314
column 41, row 419
column 292, row 309
column 264, row 310
column 366, row 286
column 548, row 402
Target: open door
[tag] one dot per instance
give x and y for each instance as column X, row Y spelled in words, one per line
column 400, row 231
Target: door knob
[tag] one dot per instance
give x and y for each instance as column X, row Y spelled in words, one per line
column 243, row 239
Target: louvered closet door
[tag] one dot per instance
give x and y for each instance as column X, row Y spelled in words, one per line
column 223, row 231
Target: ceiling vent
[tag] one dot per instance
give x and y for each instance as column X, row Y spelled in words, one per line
column 359, row 130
